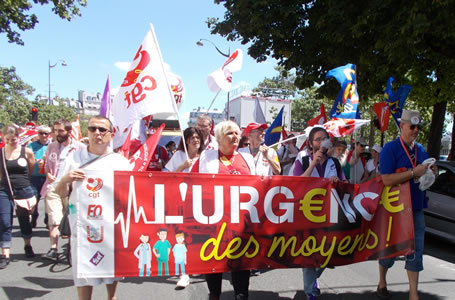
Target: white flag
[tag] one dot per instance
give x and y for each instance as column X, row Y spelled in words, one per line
column 145, row 90
column 222, row 78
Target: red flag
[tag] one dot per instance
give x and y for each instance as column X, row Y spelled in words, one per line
column 319, row 120
column 284, row 134
column 343, row 127
column 76, row 129
column 142, row 157
column 383, row 112
column 125, row 150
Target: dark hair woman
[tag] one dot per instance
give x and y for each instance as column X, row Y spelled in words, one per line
column 179, row 162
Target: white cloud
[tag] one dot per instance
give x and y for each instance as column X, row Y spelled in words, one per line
column 122, row 65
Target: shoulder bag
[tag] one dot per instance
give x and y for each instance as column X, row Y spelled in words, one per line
column 27, row 204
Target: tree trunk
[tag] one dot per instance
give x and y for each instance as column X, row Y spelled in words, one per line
column 436, row 127
column 452, row 145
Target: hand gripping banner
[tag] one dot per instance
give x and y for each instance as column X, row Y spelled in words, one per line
column 156, row 224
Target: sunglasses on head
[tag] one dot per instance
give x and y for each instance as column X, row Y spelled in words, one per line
column 414, row 127
column 100, row 129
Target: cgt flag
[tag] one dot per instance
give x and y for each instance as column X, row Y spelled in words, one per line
column 396, row 100
column 347, row 100
column 273, row 133
column 144, row 91
column 222, row 78
column 383, row 113
column 343, row 127
column 319, row 120
column 140, row 160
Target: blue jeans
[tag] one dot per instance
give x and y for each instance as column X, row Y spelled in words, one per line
column 414, row 262
column 6, row 215
column 310, row 275
column 6, row 218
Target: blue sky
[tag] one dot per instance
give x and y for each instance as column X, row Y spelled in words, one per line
column 109, row 34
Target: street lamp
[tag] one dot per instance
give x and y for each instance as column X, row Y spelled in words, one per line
column 200, row 44
column 63, row 63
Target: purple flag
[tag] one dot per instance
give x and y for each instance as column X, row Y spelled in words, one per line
column 105, row 107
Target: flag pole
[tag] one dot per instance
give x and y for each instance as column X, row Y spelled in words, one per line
column 170, row 93
column 286, row 140
column 213, row 100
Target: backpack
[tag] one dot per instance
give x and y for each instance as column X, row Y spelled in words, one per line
column 306, row 163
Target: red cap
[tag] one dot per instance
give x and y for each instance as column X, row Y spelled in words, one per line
column 253, row 126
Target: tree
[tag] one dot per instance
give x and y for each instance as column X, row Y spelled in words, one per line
column 410, row 40
column 15, row 13
column 16, row 108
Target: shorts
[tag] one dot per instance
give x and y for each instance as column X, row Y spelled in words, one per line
column 53, row 207
column 414, row 262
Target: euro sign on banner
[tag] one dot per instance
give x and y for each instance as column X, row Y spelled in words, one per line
column 273, row 133
column 222, row 77
column 224, row 223
column 347, row 100
column 144, row 91
column 396, row 100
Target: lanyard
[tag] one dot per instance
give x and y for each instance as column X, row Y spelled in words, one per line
column 413, row 162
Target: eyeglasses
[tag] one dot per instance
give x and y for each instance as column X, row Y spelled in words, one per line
column 102, row 130
column 44, row 133
column 361, row 145
column 412, row 127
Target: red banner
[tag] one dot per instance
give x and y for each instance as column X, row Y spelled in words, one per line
column 245, row 222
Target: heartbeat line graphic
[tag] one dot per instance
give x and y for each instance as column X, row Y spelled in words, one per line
column 139, row 213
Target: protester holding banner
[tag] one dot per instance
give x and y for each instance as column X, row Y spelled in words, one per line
column 317, row 164
column 358, row 171
column 38, row 177
column 97, row 156
column 55, row 155
column 265, row 159
column 226, row 160
column 17, row 164
column 401, row 162
column 179, row 162
column 204, row 123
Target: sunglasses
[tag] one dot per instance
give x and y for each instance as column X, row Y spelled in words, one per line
column 414, row 127
column 100, row 129
column 44, row 133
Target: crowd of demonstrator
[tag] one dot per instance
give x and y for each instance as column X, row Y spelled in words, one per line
column 47, row 169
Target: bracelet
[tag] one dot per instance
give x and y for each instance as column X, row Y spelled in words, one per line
column 412, row 173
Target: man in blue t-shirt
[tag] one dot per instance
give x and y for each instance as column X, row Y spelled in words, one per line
column 401, row 161
column 38, row 177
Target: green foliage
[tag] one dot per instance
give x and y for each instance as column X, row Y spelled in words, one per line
column 16, row 108
column 16, row 13
column 410, row 40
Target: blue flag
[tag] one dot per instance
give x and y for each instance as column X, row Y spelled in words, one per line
column 347, row 100
column 273, row 133
column 396, row 100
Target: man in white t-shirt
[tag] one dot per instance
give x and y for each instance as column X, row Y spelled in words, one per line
column 97, row 156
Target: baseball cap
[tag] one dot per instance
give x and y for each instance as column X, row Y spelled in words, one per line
column 253, row 126
column 377, row 148
column 361, row 141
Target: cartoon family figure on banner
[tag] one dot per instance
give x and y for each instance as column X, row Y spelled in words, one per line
column 161, row 250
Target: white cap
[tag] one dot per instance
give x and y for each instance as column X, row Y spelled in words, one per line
column 377, row 148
